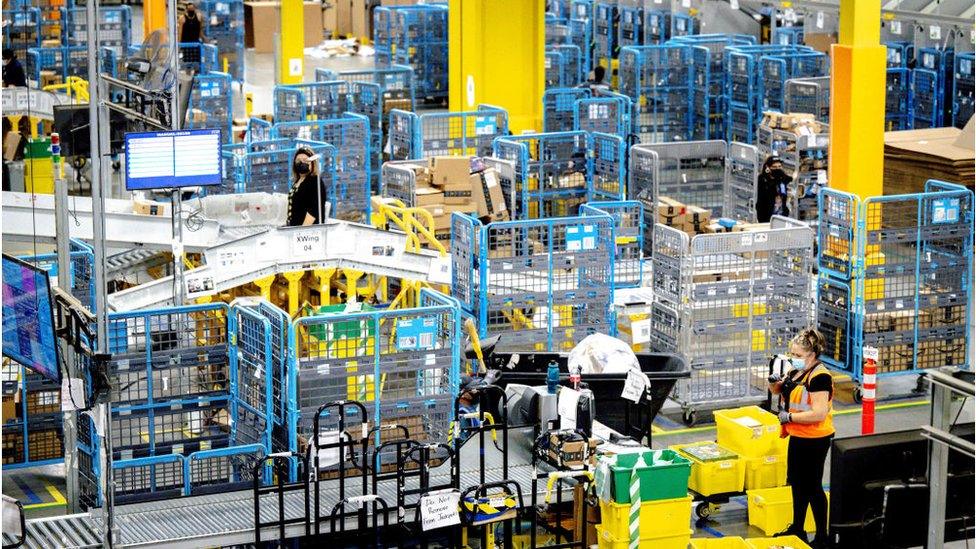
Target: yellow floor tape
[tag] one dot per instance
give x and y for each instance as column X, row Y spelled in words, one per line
column 55, row 493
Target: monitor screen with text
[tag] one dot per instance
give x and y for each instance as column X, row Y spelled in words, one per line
column 170, row 160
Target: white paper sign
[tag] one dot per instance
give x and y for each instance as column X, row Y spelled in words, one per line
column 734, row 4
column 439, row 509
column 295, row 66
column 635, row 386
column 640, row 331
column 820, row 19
column 935, row 32
column 870, row 353
column 896, row 27
column 72, row 394
column 307, row 244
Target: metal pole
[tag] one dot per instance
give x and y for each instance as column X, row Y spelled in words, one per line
column 65, row 271
column 938, row 465
column 98, row 134
column 179, row 295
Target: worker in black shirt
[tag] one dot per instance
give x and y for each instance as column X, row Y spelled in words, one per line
column 771, row 192
column 307, row 198
column 13, row 71
column 191, row 29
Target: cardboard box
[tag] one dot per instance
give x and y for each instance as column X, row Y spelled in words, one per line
column 343, row 17
column 676, row 220
column 52, row 43
column 669, row 207
column 9, row 408
column 43, row 402
column 262, row 20
column 450, row 169
column 44, row 445
column 49, row 78
column 10, row 145
column 362, row 20
column 820, row 41
column 147, row 207
column 13, row 447
column 330, row 19
column 490, row 200
column 461, row 193
column 426, row 196
column 698, row 216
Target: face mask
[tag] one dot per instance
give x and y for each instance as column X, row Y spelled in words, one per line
column 798, row 363
column 302, row 168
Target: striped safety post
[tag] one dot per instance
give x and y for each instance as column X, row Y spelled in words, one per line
column 869, row 380
column 635, row 506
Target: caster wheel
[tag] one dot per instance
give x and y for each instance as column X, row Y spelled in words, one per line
column 857, row 395
column 689, row 417
column 703, row 510
column 920, row 387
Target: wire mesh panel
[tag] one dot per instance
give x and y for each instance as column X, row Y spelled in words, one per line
column 186, row 382
column 683, row 24
column 897, row 99
column 266, row 166
column 658, row 80
column 32, row 433
column 556, row 32
column 198, row 58
column 211, row 103
column 554, row 72
column 630, row 24
column 603, row 114
column 541, row 284
column 402, row 364
column 404, row 135
column 726, row 301
column 691, row 173
column 924, row 99
column 552, row 172
column 559, row 106
column 708, row 80
column 608, row 179
column 82, row 257
column 775, row 70
column 581, row 36
column 962, row 89
column 572, row 63
column 23, row 29
column 224, row 24
column 835, row 311
column 836, row 233
column 396, row 82
column 657, row 26
column 809, row 95
column 415, row 36
column 604, row 31
column 462, row 133
column 114, row 27
column 741, row 176
column 350, row 190
column 628, row 218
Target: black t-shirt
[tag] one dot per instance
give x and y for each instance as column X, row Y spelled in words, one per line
column 768, row 188
column 190, row 32
column 820, row 381
column 13, row 74
column 303, row 199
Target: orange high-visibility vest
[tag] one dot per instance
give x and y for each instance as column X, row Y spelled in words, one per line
column 801, row 401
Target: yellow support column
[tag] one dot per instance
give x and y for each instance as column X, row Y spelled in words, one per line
column 325, row 285
column 293, row 279
column 497, row 56
column 291, row 47
column 352, row 284
column 154, row 16
column 857, row 100
column 264, row 284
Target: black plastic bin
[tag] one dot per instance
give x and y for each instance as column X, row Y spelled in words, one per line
column 627, row 418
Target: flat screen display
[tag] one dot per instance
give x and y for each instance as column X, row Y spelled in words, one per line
column 172, row 160
column 28, row 318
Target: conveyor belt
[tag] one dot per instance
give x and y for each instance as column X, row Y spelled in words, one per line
column 228, row 518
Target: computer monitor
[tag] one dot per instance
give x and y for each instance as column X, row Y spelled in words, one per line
column 172, row 160
column 28, row 318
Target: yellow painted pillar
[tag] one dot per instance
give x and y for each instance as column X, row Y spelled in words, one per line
column 291, row 48
column 154, row 16
column 857, row 100
column 352, row 283
column 293, row 278
column 497, row 56
column 325, row 284
column 264, row 284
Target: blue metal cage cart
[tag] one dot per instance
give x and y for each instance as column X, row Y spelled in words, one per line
column 895, row 274
column 445, row 134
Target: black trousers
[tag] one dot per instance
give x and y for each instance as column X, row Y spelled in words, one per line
column 804, row 473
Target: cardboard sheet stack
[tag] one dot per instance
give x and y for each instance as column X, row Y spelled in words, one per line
column 913, row 157
column 448, row 184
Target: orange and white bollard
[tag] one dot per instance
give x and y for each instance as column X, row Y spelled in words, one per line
column 869, row 381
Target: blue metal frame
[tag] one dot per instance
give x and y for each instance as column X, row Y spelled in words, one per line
column 445, row 134
column 114, row 27
column 213, row 95
column 607, row 113
column 628, row 216
column 659, row 82
column 559, row 106
column 415, row 36
column 23, row 21
column 224, row 24
column 604, row 32
column 395, row 81
column 962, row 89
column 775, row 70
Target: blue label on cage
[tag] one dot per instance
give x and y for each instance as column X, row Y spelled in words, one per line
column 580, row 237
column 485, row 125
column 113, row 17
column 945, row 210
column 416, row 334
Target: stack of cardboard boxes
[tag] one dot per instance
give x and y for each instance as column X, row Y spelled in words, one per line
column 690, row 219
column 448, row 184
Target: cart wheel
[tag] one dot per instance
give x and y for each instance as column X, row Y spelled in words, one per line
column 703, row 510
column 689, row 417
column 857, row 395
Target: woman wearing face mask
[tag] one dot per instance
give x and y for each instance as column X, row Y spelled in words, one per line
column 307, row 197
column 772, row 184
column 807, row 393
